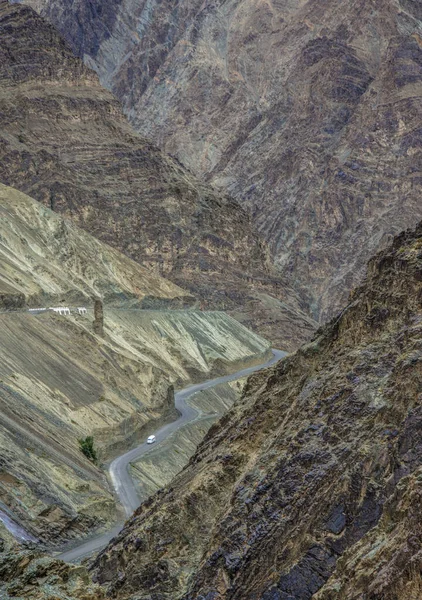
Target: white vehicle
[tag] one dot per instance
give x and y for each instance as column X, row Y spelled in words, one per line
column 151, row 439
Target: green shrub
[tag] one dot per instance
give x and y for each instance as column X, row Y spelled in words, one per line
column 87, row 447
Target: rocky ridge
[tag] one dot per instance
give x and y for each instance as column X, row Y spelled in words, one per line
column 27, row 575
column 309, row 486
column 307, row 112
column 65, row 142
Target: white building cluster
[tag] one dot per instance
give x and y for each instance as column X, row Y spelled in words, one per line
column 61, row 310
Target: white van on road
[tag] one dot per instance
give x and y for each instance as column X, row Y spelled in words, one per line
column 151, row 439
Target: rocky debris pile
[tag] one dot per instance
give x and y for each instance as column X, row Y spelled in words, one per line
column 309, row 486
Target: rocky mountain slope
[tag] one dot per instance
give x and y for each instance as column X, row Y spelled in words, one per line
column 31, row 576
column 45, row 260
column 307, row 111
column 60, row 381
column 65, row 141
column 310, row 486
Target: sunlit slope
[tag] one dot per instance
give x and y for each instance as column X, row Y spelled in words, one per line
column 45, row 258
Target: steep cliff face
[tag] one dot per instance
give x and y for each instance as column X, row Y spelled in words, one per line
column 315, row 472
column 64, row 141
column 308, row 112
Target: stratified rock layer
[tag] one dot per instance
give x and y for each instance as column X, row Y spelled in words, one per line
column 308, row 112
column 64, row 140
column 315, row 472
column 45, row 260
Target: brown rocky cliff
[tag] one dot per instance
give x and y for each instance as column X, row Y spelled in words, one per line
column 306, row 469
column 65, row 141
column 308, row 112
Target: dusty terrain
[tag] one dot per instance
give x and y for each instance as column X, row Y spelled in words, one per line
column 65, row 142
column 307, row 111
column 309, row 486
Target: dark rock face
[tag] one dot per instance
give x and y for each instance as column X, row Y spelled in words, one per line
column 310, row 486
column 307, row 112
column 65, row 142
column 98, row 324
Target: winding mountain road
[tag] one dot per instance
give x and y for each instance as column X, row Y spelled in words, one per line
column 119, row 468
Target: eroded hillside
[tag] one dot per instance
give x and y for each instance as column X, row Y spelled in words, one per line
column 309, row 486
column 60, row 381
column 64, row 141
column 45, row 260
column 307, row 112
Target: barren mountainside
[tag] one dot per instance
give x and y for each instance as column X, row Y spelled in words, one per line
column 242, row 163
column 307, row 112
column 46, row 260
column 310, row 486
column 60, row 381
column 65, row 142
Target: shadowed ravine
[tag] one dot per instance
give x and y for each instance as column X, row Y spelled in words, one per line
column 119, row 473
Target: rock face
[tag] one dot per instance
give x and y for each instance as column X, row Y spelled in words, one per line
column 310, row 486
column 65, row 141
column 307, row 112
column 27, row 575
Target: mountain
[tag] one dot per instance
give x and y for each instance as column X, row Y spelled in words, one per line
column 46, row 260
column 306, row 111
column 310, row 487
column 61, row 382
column 65, row 142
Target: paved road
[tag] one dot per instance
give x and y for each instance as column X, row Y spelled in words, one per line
column 119, row 468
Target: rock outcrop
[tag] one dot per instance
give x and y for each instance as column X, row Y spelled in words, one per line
column 310, row 486
column 65, row 142
column 307, row 112
column 28, row 575
column 98, row 323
